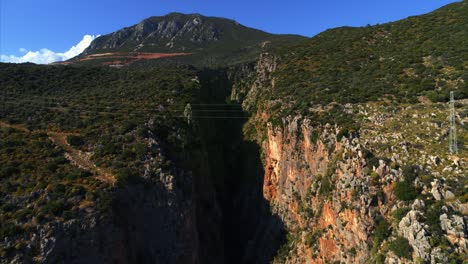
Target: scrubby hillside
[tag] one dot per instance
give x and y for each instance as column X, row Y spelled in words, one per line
column 91, row 165
column 424, row 55
column 354, row 129
column 331, row 151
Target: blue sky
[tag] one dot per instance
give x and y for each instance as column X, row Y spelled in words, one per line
column 57, row 25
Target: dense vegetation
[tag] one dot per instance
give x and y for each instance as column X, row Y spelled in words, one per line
column 38, row 186
column 401, row 247
column 109, row 113
column 419, row 56
column 113, row 110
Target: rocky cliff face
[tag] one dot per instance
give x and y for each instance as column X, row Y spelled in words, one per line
column 173, row 29
column 339, row 195
column 150, row 223
column 125, row 236
column 332, row 199
column 276, row 188
column 321, row 192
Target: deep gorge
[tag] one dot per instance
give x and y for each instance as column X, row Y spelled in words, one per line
column 229, row 189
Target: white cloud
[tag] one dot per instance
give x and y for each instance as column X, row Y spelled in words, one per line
column 45, row 56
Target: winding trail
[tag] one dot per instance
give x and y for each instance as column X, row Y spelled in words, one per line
column 75, row 156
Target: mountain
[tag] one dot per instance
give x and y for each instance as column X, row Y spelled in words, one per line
column 332, row 149
column 418, row 56
column 206, row 38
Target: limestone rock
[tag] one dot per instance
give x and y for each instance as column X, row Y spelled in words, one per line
column 413, row 230
column 436, row 190
column 449, row 195
column 456, row 229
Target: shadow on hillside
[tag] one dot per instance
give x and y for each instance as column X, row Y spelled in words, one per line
column 234, row 220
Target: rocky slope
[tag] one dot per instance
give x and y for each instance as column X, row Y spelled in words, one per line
column 211, row 40
column 297, row 156
column 351, row 197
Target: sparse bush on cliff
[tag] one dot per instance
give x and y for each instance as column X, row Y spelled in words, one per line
column 311, row 239
column 401, row 247
column 382, row 230
column 404, row 191
column 411, row 172
column 55, row 207
column 433, row 218
column 9, row 229
column 127, row 176
column 399, row 213
column 326, row 186
column 75, row 141
column 314, row 136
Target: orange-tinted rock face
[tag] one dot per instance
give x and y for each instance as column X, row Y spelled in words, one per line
column 327, row 248
column 269, row 190
column 328, row 215
column 294, row 169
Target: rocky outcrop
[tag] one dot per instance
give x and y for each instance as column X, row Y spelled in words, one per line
column 165, row 31
column 320, row 191
column 412, row 229
column 336, row 196
column 332, row 200
column 456, row 228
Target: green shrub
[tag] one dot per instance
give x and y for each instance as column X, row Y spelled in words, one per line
column 432, row 218
column 411, row 172
column 394, row 165
column 326, row 186
column 314, row 136
column 55, row 207
column 399, row 213
column 127, row 176
column 374, row 177
column 75, row 141
column 8, row 207
column 401, row 247
column 373, row 162
column 8, row 171
column 312, row 238
column 9, row 230
column 127, row 127
column 108, row 148
column 89, row 196
column 140, row 151
column 52, row 167
column 380, row 259
column 382, row 230
column 142, row 132
column 343, row 133
column 127, row 155
column 404, row 191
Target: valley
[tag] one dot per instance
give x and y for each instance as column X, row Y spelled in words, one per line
column 176, row 141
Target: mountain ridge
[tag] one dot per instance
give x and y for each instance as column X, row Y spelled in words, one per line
column 219, row 38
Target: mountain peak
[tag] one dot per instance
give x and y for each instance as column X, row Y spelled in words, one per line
column 186, row 33
column 172, row 32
